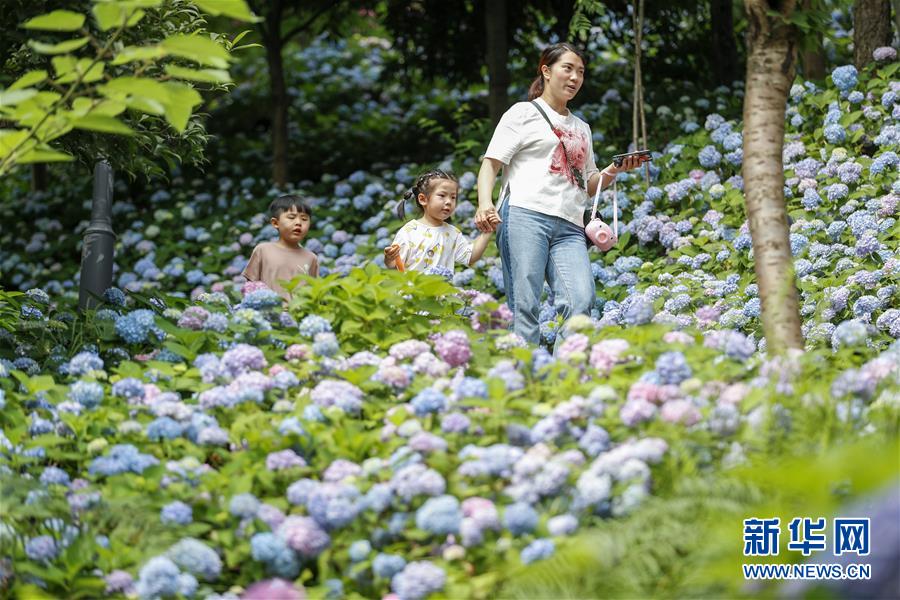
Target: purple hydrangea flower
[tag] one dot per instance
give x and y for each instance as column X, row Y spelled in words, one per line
column 343, row 394
column 417, row 580
column 304, row 535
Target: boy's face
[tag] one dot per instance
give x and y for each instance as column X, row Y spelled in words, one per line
column 292, row 225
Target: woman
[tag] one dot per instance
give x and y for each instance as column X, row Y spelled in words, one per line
column 548, row 175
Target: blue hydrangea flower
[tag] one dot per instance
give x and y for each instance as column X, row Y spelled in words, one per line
column 89, row 394
column 672, row 368
column 197, row 558
column 83, row 363
column 845, row 77
column 849, row 333
column 164, row 428
column 54, row 476
column 440, row 516
column 709, row 157
column 386, row 566
column 333, row 505
column 310, row 325
column 176, row 513
column 136, row 325
column 359, row 550
column 244, row 506
column 835, row 134
column 417, row 580
column 537, row 550
column 429, row 401
column 520, row 518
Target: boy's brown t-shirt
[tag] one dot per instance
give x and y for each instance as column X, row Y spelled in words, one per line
column 271, row 262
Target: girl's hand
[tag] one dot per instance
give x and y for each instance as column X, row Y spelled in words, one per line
column 487, row 219
column 391, row 253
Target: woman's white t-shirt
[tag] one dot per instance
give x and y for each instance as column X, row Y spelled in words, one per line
column 536, row 171
column 423, row 246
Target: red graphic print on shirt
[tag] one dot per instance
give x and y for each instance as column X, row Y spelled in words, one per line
column 570, row 155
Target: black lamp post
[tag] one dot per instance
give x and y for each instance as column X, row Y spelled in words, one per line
column 99, row 240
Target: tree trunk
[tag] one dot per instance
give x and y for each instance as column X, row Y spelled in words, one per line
column 724, row 47
column 896, row 4
column 497, row 55
column 871, row 29
column 277, row 87
column 563, row 10
column 812, row 59
column 770, row 73
column 40, row 177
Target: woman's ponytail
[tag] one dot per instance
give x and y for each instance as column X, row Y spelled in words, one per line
column 537, row 86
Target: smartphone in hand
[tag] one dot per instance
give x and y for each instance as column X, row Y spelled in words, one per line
column 644, row 155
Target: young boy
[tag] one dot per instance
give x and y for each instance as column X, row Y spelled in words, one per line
column 272, row 262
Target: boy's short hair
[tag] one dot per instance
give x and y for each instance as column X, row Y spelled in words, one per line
column 284, row 203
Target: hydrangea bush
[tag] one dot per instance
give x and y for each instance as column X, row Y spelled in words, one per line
column 385, row 433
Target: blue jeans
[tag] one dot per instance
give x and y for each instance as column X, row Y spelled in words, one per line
column 534, row 247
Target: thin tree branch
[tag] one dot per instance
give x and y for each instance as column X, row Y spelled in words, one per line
column 308, row 23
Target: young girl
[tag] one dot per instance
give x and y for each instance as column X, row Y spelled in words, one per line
column 429, row 243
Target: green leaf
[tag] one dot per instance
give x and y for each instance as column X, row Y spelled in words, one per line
column 136, row 87
column 183, row 100
column 114, row 14
column 236, row 9
column 199, row 49
column 103, row 124
column 28, row 79
column 44, row 155
column 13, row 97
column 133, row 53
column 60, row 48
column 204, row 75
column 58, row 20
column 86, row 68
column 63, row 64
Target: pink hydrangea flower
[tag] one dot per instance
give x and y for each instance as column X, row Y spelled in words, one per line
column 252, row 286
column 453, row 347
column 431, row 365
column 636, row 411
column 577, row 342
column 393, row 375
column 734, row 394
column 270, row 589
column 296, row 352
column 680, row 411
column 408, row 349
column 605, row 354
column 678, row 337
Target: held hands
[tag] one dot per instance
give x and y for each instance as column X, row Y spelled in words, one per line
column 487, row 219
column 391, row 253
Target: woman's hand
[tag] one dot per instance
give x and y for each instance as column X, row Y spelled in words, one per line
column 630, row 163
column 487, row 219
